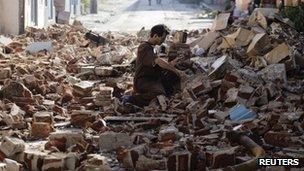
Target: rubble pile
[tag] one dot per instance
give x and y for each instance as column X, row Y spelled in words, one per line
column 242, row 99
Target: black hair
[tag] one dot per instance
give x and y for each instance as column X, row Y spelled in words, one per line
column 159, row 30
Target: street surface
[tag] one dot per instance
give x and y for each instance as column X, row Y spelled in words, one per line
column 132, row 15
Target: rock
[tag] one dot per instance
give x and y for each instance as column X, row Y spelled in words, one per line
column 11, row 146
column 41, row 130
column 112, row 140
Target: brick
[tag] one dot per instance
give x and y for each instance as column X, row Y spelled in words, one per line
column 201, row 86
column 280, row 139
column 83, row 88
column 11, row 146
column 145, row 163
column 179, row 161
column 112, row 140
column 169, row 133
column 59, row 110
column 34, row 159
column 97, row 162
column 80, row 118
column 72, row 136
column 54, row 162
column 221, row 158
column 41, row 130
column 13, row 165
column 44, row 116
column 5, row 73
column 104, row 71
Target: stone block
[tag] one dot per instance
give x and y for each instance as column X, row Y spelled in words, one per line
column 11, row 146
column 112, row 140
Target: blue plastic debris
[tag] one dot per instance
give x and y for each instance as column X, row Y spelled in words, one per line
column 240, row 112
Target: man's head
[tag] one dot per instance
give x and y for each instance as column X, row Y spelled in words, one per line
column 158, row 34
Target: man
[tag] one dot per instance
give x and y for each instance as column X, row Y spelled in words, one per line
column 154, row 76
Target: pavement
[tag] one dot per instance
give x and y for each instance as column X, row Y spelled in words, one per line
column 132, row 15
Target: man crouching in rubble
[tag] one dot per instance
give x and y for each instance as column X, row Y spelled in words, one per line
column 154, row 76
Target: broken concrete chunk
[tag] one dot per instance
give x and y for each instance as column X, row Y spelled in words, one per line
column 221, row 21
column 277, row 54
column 11, row 146
column 274, row 73
column 39, row 46
column 219, row 68
column 112, row 140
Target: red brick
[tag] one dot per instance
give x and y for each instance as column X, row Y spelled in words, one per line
column 41, row 130
column 280, row 139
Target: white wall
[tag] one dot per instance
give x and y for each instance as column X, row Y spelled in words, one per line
column 9, row 16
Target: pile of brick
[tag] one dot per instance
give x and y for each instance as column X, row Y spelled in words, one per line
column 58, row 108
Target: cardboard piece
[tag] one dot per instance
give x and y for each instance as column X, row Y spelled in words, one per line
column 206, row 41
column 258, row 42
column 221, row 21
column 241, row 37
column 277, row 54
column 257, row 18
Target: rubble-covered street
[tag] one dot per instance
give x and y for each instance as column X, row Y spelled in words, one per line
column 242, row 99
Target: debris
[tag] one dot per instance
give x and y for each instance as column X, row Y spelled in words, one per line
column 39, row 46
column 240, row 112
column 5, row 40
column 277, row 54
column 221, row 21
column 112, row 140
column 10, row 146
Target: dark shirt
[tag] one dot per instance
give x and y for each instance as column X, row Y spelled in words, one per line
column 145, row 65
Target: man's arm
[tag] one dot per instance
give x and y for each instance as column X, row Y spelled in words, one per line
column 165, row 65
